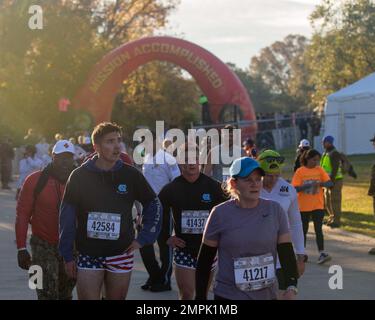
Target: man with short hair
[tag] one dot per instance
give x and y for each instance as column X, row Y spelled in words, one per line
column 38, row 205
column 331, row 163
column 220, row 170
column 159, row 169
column 189, row 199
column 250, row 148
column 96, row 216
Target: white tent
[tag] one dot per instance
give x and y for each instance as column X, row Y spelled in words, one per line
column 350, row 116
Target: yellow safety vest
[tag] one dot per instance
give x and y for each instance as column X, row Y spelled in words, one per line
column 325, row 163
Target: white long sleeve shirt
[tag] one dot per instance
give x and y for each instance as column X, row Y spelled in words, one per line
column 160, row 170
column 286, row 195
column 26, row 167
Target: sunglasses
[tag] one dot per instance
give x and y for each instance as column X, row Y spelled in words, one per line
column 279, row 160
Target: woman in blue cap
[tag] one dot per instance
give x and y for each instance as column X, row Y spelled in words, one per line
column 246, row 233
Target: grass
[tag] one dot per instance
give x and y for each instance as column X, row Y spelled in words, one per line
column 357, row 207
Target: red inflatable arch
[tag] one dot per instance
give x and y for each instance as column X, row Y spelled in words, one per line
column 216, row 80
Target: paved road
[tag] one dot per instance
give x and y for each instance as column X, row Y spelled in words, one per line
column 348, row 251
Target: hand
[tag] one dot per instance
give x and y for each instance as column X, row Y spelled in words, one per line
column 71, row 269
column 288, row 295
column 24, row 259
column 133, row 246
column 300, row 267
column 175, row 242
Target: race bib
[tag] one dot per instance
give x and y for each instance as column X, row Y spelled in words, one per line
column 254, row 273
column 193, row 222
column 104, row 226
column 313, row 189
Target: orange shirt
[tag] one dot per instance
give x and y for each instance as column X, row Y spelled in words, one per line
column 313, row 198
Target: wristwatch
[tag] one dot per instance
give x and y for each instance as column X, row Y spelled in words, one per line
column 292, row 288
column 304, row 257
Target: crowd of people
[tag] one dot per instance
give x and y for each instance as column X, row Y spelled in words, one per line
column 240, row 225
column 306, row 122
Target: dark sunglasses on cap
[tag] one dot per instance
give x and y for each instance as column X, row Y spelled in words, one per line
column 279, row 160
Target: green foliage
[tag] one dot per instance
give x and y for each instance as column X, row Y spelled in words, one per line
column 157, row 91
column 342, row 49
column 281, row 69
column 259, row 92
column 38, row 67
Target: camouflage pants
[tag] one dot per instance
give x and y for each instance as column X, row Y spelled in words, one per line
column 333, row 197
column 56, row 284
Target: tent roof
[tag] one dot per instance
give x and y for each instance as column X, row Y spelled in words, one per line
column 361, row 89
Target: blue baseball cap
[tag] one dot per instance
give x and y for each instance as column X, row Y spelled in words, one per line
column 328, row 139
column 243, row 167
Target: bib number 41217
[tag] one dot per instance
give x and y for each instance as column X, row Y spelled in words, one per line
column 255, row 274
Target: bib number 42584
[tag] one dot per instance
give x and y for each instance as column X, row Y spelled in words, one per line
column 103, row 226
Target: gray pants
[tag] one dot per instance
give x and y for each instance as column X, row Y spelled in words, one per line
column 332, row 199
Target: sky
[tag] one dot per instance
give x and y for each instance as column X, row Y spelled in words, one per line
column 236, row 30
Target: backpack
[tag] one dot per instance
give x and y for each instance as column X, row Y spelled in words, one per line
column 41, row 183
column 346, row 166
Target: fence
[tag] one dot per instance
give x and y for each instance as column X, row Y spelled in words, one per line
column 278, row 132
column 351, row 130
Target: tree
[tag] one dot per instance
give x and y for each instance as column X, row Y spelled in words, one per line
column 342, row 47
column 157, row 91
column 277, row 65
column 259, row 92
column 119, row 21
column 38, row 67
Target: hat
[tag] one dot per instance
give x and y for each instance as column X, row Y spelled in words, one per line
column 373, row 139
column 328, row 139
column 243, row 167
column 63, row 146
column 304, row 143
column 248, row 142
column 271, row 161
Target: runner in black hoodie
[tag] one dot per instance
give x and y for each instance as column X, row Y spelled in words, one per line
column 96, row 215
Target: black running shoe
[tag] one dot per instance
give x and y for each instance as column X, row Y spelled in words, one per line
column 160, row 287
column 147, row 285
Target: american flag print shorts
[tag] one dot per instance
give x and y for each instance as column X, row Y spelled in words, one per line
column 117, row 264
